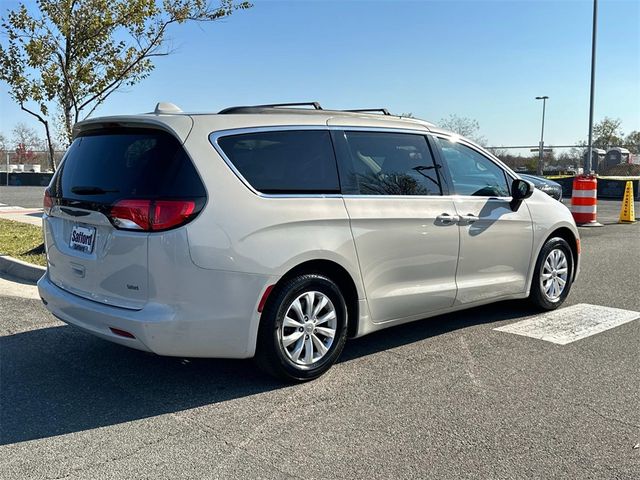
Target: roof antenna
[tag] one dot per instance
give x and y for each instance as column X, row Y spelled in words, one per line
column 166, row 107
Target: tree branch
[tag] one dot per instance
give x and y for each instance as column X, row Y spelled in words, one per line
column 52, row 161
column 39, row 117
column 153, row 44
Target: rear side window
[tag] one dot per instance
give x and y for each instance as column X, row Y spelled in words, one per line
column 108, row 165
column 297, row 161
column 391, row 164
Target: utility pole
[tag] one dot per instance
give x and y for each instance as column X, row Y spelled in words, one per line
column 588, row 166
column 541, row 151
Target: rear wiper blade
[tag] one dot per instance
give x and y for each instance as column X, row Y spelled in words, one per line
column 91, row 190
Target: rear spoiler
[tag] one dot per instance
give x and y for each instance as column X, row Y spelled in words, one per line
column 178, row 125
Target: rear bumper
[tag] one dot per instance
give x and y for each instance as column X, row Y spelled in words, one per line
column 97, row 319
column 164, row 329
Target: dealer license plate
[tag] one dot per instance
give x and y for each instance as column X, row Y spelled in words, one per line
column 83, row 238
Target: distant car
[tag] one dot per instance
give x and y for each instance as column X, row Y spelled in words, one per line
column 551, row 188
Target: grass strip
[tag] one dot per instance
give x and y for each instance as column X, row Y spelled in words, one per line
column 17, row 239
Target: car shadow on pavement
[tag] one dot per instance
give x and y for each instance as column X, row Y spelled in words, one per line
column 58, row 380
column 422, row 329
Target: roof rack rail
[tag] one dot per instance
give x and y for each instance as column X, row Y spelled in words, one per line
column 384, row 111
column 253, row 108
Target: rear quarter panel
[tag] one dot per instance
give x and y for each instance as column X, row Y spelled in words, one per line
column 241, row 231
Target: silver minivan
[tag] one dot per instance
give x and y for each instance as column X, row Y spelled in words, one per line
column 279, row 231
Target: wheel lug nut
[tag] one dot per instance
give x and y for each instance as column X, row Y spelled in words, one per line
column 301, row 329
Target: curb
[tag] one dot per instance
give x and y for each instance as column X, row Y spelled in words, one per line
column 21, row 270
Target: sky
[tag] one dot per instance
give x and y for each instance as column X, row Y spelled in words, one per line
column 485, row 60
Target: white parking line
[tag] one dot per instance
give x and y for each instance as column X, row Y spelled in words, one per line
column 9, row 208
column 572, row 323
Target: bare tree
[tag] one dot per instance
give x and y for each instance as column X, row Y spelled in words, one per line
column 27, row 136
column 632, row 141
column 606, row 133
column 499, row 152
column 26, row 144
column 464, row 126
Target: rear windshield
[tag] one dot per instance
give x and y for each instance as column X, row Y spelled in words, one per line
column 110, row 165
column 284, row 161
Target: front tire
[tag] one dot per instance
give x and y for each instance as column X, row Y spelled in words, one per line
column 553, row 275
column 303, row 328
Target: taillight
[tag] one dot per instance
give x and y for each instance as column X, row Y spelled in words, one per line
column 151, row 215
column 47, row 202
column 132, row 214
column 170, row 213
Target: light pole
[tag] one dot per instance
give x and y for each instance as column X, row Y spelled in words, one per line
column 589, row 162
column 541, row 151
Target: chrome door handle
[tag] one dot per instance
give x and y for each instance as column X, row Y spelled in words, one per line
column 446, row 219
column 469, row 219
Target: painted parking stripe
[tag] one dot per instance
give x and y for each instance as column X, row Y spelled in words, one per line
column 8, row 208
column 572, row 323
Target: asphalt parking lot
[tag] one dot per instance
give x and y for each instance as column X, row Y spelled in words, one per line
column 26, row 197
column 447, row 397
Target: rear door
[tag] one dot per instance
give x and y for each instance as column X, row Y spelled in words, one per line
column 404, row 229
column 113, row 187
column 495, row 241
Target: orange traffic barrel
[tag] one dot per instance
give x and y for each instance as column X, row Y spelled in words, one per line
column 584, row 199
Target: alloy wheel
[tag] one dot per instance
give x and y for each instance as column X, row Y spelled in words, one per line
column 554, row 274
column 308, row 328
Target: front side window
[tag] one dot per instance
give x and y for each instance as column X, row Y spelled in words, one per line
column 473, row 173
column 284, row 162
column 384, row 163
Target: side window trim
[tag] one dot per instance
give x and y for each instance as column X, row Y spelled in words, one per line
column 441, row 168
column 348, row 185
column 445, row 167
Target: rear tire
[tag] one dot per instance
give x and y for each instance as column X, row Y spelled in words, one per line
column 303, row 328
column 553, row 275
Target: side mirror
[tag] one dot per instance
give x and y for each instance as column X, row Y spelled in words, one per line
column 520, row 189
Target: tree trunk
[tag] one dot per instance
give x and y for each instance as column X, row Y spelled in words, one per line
column 68, row 99
column 52, row 158
column 68, row 121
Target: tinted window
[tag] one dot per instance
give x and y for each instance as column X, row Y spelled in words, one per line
column 391, row 164
column 131, row 163
column 473, row 173
column 284, row 162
